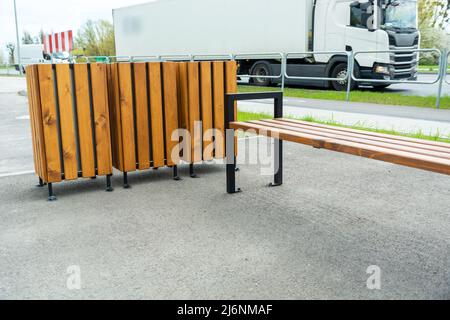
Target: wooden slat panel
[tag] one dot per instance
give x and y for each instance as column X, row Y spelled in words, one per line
column 116, row 119
column 142, row 125
column 101, row 119
column 360, row 139
column 67, row 121
column 419, row 144
column 156, row 114
column 435, row 145
column 83, row 104
column 377, row 153
column 207, row 111
column 171, row 112
column 38, row 124
column 219, row 109
column 194, row 112
column 50, row 125
column 183, row 101
column 183, row 95
column 127, row 117
column 31, row 107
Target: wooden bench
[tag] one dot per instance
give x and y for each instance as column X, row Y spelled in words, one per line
column 415, row 153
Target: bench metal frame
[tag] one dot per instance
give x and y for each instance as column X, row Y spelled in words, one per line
column 230, row 116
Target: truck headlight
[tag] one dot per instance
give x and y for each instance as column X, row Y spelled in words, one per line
column 382, row 69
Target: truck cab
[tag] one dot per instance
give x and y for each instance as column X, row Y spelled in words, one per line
column 364, row 25
column 369, row 25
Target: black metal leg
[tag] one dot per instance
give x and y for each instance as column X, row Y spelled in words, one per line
column 278, row 162
column 175, row 174
column 125, row 181
column 191, row 171
column 51, row 196
column 109, row 187
column 231, row 163
column 41, row 183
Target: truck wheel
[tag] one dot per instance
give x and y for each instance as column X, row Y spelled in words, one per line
column 340, row 71
column 261, row 68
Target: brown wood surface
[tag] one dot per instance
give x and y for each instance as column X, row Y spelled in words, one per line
column 31, row 107
column 101, row 118
column 183, row 106
column 127, row 117
column 67, row 121
column 115, row 116
column 195, row 127
column 50, row 125
column 142, row 120
column 423, row 143
column 410, row 159
column 171, row 113
column 156, row 111
column 85, row 134
column 219, row 108
column 207, row 110
column 399, row 144
column 36, row 118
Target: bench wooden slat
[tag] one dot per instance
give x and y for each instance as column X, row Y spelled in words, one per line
column 207, row 111
column 127, row 117
column 84, row 120
column 183, row 102
column 116, row 119
column 194, row 112
column 50, row 126
column 156, row 111
column 142, row 116
column 423, row 143
column 171, row 113
column 398, row 141
column 361, row 139
column 377, row 153
column 219, row 108
column 101, row 119
column 40, row 142
column 31, row 110
column 69, row 147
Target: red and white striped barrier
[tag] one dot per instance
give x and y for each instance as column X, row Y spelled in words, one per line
column 58, row 42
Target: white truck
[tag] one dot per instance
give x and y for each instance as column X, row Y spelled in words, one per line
column 222, row 27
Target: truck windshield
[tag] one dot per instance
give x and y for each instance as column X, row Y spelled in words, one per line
column 400, row 14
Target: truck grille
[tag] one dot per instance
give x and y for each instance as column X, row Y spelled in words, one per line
column 405, row 62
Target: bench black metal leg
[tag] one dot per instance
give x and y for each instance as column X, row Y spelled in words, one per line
column 175, row 174
column 109, row 187
column 51, row 196
column 125, row 181
column 192, row 171
column 231, row 163
column 278, row 162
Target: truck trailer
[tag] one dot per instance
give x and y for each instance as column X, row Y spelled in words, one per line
column 224, row 27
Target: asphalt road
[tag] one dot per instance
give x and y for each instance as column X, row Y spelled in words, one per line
column 313, row 238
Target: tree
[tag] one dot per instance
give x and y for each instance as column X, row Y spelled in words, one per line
column 434, row 13
column 27, row 38
column 2, row 57
column 11, row 47
column 96, row 38
column 434, row 17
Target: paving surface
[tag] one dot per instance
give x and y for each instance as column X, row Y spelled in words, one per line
column 312, row 238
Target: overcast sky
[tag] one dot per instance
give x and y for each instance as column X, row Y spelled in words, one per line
column 56, row 15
